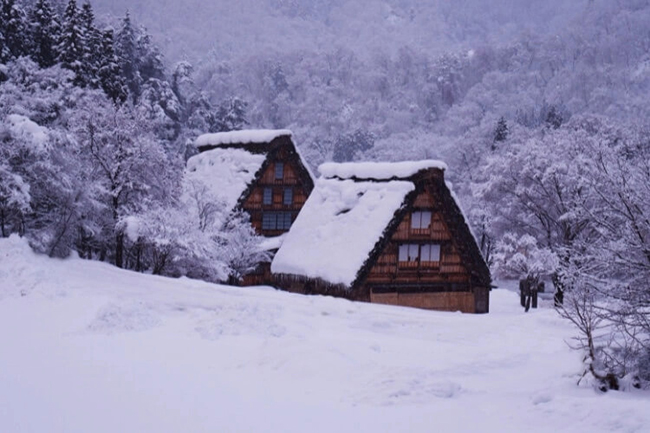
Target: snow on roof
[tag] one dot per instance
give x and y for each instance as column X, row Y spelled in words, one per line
column 337, row 228
column 226, row 173
column 271, row 243
column 377, row 170
column 245, row 136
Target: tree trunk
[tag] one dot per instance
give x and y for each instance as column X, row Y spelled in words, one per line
column 119, row 250
column 2, row 224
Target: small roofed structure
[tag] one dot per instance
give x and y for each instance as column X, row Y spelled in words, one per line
column 389, row 233
column 258, row 171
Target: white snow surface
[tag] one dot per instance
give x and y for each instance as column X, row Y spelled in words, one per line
column 244, row 137
column 225, row 173
column 337, row 228
column 24, row 127
column 87, row 347
column 377, row 170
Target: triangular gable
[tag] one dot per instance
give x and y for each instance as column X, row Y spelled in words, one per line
column 231, row 163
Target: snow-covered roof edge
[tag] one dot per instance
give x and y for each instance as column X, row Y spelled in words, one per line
column 243, row 136
column 378, row 170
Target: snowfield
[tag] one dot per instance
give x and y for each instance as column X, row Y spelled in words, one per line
column 86, row 347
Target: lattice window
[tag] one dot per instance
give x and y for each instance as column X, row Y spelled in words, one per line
column 420, row 221
column 268, row 196
column 279, row 170
column 425, row 255
column 288, row 196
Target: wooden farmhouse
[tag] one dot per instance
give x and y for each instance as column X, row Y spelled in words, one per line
column 389, row 233
column 257, row 171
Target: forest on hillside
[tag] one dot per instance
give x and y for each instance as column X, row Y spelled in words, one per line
column 540, row 110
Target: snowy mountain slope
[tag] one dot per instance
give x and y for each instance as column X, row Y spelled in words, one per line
column 88, row 347
column 193, row 28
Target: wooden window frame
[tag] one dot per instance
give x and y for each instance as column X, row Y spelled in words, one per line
column 414, row 258
column 267, row 193
column 277, row 220
column 279, row 171
column 287, row 193
column 416, row 226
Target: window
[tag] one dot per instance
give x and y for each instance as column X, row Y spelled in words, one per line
column 408, row 253
column 279, row 170
column 412, row 254
column 421, row 219
column 268, row 196
column 430, row 253
column 276, row 220
column 288, row 196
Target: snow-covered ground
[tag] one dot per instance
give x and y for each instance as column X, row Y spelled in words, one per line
column 85, row 347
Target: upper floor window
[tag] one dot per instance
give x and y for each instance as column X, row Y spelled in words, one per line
column 279, row 170
column 268, row 196
column 421, row 219
column 424, row 254
column 288, row 196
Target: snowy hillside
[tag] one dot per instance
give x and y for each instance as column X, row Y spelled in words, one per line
column 192, row 28
column 86, row 347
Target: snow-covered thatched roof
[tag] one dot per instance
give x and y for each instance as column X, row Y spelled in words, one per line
column 241, row 137
column 224, row 172
column 377, row 170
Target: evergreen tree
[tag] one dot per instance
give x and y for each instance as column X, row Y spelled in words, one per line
column 349, row 145
column 109, row 75
column 554, row 118
column 71, row 45
column 92, row 44
column 500, row 132
column 4, row 50
column 150, row 59
column 127, row 53
column 45, row 30
column 230, row 116
column 14, row 29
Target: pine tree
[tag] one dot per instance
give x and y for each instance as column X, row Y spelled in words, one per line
column 109, row 74
column 230, row 116
column 45, row 31
column 127, row 53
column 71, row 45
column 150, row 59
column 500, row 132
column 14, row 29
column 92, row 43
column 554, row 119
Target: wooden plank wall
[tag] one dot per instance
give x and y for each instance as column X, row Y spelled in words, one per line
column 254, row 203
column 444, row 301
column 450, row 269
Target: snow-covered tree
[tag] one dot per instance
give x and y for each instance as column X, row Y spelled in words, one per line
column 71, row 47
column 125, row 158
column 44, row 31
column 230, row 116
column 127, row 52
column 13, row 28
column 92, row 46
column 109, row 74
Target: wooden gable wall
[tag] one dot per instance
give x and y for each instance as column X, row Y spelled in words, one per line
column 389, row 271
column 293, row 178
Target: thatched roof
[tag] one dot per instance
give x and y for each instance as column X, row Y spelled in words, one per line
column 353, row 212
